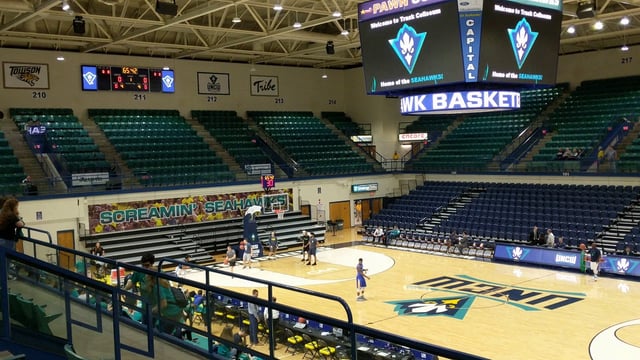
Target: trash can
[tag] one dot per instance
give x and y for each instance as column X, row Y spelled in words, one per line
column 339, row 224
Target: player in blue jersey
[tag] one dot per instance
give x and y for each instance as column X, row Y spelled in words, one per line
column 361, row 283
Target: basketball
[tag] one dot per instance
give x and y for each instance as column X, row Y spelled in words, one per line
column 226, row 261
column 583, row 246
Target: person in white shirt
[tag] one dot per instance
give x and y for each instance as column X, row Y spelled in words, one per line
column 378, row 233
column 551, row 239
column 276, row 313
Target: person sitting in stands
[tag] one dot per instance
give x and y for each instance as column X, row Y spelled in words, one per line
column 378, row 233
column 559, row 154
column 560, row 244
column 627, row 251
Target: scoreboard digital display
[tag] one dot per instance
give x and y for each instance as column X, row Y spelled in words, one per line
column 518, row 43
column 127, row 78
column 413, row 45
column 409, row 46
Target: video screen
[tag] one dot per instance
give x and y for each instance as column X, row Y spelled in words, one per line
column 410, row 46
column 519, row 43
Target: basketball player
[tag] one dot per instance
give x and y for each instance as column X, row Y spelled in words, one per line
column 361, row 283
column 594, row 256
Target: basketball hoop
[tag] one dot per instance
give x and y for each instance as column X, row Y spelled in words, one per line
column 279, row 213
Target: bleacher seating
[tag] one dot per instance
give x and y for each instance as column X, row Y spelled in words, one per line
column 480, row 137
column 201, row 240
column 630, row 159
column 343, row 123
column 30, row 315
column 233, row 134
column 12, row 172
column 65, row 137
column 160, row 147
column 584, row 119
column 507, row 212
column 310, row 143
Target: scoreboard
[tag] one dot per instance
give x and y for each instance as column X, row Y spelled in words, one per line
column 410, row 45
column 127, row 78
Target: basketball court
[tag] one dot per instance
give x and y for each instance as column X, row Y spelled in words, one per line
column 489, row 309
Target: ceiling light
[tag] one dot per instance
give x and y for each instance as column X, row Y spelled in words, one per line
column 60, row 58
column 277, row 6
column 65, row 6
column 598, row 25
column 324, row 76
column 571, row 30
column 624, row 48
column 236, row 19
column 297, row 24
column 624, row 21
column 166, row 68
column 344, row 32
column 336, row 13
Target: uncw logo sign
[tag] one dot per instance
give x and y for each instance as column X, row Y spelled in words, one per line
column 458, row 293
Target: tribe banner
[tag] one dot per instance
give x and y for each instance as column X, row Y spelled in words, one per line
column 25, row 75
column 185, row 210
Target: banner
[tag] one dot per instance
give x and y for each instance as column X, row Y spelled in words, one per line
column 213, row 83
column 161, row 212
column 25, row 75
column 264, row 85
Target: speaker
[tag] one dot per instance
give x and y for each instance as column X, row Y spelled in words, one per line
column 167, row 8
column 330, row 49
column 586, row 9
column 78, row 25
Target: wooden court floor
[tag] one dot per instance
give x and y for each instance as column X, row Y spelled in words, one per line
column 493, row 310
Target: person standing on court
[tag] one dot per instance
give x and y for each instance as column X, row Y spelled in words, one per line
column 273, row 245
column 595, row 255
column 231, row 257
column 246, row 254
column 305, row 245
column 10, row 223
column 361, row 283
column 254, row 319
column 313, row 246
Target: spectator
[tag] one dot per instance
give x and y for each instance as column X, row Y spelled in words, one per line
column 551, row 239
column 452, row 240
column 273, row 245
column 534, row 236
column 463, row 242
column 391, row 234
column 378, row 233
column 627, row 251
column 138, row 281
column 10, row 223
column 600, row 156
column 98, row 250
column 254, row 319
column 611, row 156
column 560, row 244
column 594, row 258
column 305, row 245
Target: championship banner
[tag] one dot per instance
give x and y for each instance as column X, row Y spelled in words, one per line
column 25, row 75
column 213, row 83
column 162, row 212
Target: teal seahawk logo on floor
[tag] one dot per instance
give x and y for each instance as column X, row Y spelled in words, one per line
column 454, row 295
column 455, row 307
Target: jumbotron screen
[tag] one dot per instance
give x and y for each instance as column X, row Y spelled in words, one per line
column 519, row 42
column 407, row 45
column 410, row 45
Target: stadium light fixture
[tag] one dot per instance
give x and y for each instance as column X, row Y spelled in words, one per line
column 624, row 21
column 277, row 6
column 571, row 29
column 598, row 25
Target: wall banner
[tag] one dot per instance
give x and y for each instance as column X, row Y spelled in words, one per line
column 213, row 83
column 264, row 85
column 25, row 75
column 162, row 212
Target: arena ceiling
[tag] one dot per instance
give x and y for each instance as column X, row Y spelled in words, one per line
column 205, row 30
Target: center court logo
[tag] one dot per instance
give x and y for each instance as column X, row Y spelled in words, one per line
column 460, row 292
column 407, row 45
column 522, row 39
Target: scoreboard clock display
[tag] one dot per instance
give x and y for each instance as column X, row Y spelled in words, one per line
column 268, row 181
column 127, row 78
